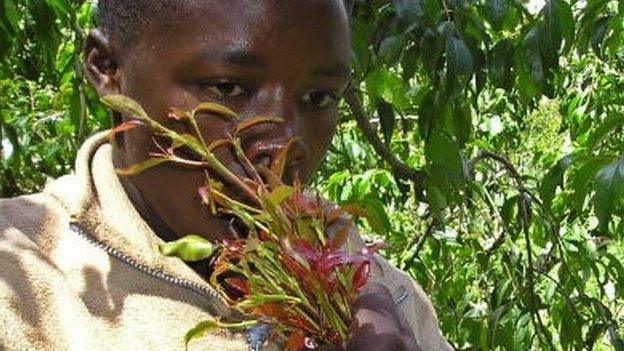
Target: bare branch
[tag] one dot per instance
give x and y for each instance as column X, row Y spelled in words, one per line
column 399, row 169
column 419, row 242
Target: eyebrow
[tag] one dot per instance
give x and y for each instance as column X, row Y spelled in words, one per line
column 242, row 58
column 245, row 58
column 339, row 70
column 234, row 56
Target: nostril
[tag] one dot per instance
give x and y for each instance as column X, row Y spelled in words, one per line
column 263, row 159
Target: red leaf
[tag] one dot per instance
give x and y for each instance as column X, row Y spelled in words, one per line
column 294, row 267
column 300, row 323
column 126, row 126
column 296, row 342
column 178, row 114
column 279, row 163
column 239, row 284
column 361, row 276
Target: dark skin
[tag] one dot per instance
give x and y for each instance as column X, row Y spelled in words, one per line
column 258, row 57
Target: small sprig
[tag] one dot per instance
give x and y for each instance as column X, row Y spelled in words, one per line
column 281, row 267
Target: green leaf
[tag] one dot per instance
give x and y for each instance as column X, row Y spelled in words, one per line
column 531, row 73
column 360, row 44
column 460, row 61
column 443, row 153
column 387, row 119
column 437, row 200
column 62, row 9
column 201, row 329
column 125, row 105
column 581, row 179
column 558, row 24
column 497, row 11
column 501, row 63
column 599, row 34
column 410, row 10
column 431, row 43
column 390, row 49
column 609, row 191
column 427, row 114
column 554, row 179
column 373, row 210
column 191, row 248
column 382, row 83
column 594, row 332
column 462, row 119
column 613, row 121
column 11, row 14
column 142, row 167
column 278, row 195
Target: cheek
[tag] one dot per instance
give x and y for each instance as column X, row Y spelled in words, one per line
column 319, row 133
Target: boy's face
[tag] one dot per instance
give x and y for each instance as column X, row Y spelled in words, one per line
column 258, row 57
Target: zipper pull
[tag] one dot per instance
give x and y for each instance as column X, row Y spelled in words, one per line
column 257, row 336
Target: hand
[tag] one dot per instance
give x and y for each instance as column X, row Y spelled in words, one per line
column 378, row 325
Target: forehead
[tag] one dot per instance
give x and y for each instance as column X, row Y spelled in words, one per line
column 315, row 29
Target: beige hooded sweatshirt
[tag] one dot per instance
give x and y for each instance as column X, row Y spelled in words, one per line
column 80, row 270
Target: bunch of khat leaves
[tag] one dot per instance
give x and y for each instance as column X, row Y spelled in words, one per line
column 279, row 259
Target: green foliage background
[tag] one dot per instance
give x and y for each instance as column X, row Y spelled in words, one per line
column 484, row 138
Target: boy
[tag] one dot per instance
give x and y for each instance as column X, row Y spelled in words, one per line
column 79, row 263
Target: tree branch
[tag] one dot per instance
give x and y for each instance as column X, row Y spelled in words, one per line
column 524, row 213
column 399, row 169
column 419, row 243
column 509, row 167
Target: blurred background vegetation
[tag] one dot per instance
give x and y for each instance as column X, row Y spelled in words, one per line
column 483, row 138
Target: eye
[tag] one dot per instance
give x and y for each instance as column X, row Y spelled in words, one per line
column 319, row 99
column 224, row 90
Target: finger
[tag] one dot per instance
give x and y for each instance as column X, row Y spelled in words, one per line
column 378, row 323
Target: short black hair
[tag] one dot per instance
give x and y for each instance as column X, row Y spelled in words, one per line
column 122, row 20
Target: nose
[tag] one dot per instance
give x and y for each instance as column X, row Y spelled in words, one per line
column 264, row 144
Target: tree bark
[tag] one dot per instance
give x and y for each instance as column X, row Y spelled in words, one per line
column 399, row 168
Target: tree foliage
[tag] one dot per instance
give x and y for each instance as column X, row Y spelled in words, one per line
column 482, row 138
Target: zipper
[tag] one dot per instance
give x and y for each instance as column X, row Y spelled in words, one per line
column 256, row 336
column 402, row 297
column 204, row 291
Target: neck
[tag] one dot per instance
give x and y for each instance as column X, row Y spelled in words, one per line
column 146, row 212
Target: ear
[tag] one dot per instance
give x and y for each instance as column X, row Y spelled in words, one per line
column 349, row 5
column 100, row 64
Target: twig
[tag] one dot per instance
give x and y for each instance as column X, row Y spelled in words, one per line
column 509, row 167
column 447, row 11
column 524, row 212
column 399, row 169
column 420, row 242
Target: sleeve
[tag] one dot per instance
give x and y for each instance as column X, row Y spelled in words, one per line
column 415, row 305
